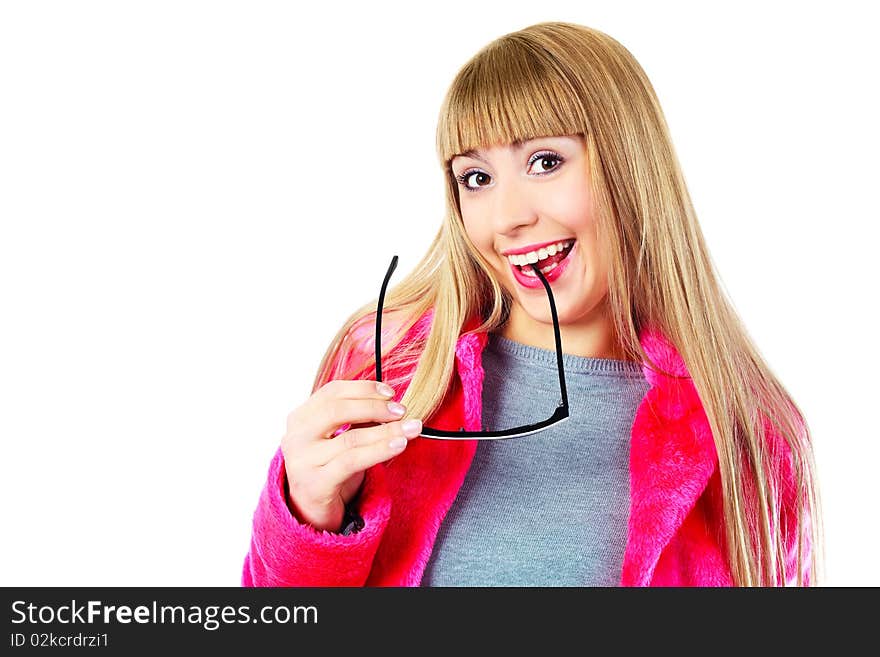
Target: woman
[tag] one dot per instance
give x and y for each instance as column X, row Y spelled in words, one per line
column 683, row 460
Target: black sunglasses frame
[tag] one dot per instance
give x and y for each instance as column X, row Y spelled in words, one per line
column 559, row 415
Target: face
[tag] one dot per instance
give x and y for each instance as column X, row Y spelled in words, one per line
column 526, row 199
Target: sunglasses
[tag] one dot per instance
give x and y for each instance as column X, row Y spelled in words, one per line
column 559, row 415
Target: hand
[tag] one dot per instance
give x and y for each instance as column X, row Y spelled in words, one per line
column 325, row 472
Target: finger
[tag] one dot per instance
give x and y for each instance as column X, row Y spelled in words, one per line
column 379, row 436
column 355, row 389
column 324, row 413
column 317, row 453
column 359, row 459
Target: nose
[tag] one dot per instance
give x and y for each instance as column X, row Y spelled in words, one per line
column 514, row 209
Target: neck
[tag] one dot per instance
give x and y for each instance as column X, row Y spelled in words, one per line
column 592, row 336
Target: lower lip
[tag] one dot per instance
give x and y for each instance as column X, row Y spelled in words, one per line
column 533, row 282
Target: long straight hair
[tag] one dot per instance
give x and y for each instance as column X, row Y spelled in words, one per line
column 558, row 78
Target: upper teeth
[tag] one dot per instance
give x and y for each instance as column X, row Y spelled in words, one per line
column 540, row 254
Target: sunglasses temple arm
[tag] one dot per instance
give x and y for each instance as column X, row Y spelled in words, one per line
column 556, row 335
column 390, row 271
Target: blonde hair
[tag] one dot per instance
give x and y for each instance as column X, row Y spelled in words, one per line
column 558, row 78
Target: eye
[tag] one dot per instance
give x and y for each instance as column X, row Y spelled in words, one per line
column 541, row 156
column 546, row 156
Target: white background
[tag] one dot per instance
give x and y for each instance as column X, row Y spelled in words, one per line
column 194, row 195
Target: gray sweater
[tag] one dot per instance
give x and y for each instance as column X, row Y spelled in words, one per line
column 550, row 509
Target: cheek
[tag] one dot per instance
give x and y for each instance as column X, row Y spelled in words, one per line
column 479, row 237
column 578, row 211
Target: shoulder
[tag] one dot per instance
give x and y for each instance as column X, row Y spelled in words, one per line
column 361, row 337
column 359, row 342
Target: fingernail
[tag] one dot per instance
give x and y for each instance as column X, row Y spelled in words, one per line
column 385, row 389
column 396, row 409
column 411, row 428
column 397, row 443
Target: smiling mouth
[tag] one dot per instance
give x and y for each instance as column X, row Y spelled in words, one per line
column 547, row 264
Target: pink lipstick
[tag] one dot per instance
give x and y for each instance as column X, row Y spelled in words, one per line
column 532, row 281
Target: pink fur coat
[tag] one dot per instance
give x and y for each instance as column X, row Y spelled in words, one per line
column 675, row 532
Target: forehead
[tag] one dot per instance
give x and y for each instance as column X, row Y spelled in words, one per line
column 518, row 145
